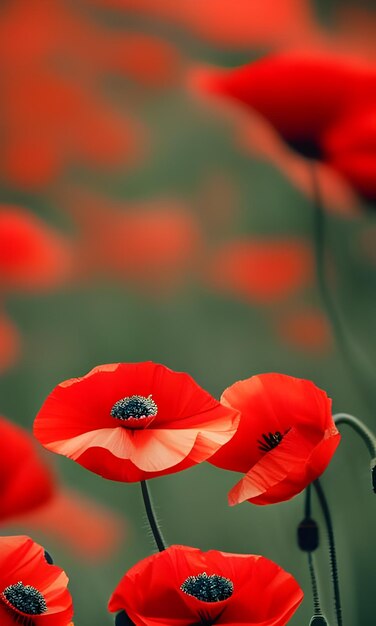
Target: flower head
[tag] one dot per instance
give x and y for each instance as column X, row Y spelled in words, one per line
column 26, row 480
column 323, row 106
column 32, row 591
column 184, row 586
column 285, row 440
column 132, row 421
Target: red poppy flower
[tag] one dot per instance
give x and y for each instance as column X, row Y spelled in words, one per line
column 26, row 480
column 55, row 112
column 285, row 439
column 81, row 524
column 305, row 329
column 132, row 421
column 261, row 270
column 305, row 96
column 10, row 343
column 183, row 586
column 252, row 24
column 32, row 592
column 32, row 255
column 163, row 238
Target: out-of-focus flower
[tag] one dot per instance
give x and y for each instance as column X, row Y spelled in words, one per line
column 323, row 106
column 354, row 29
column 32, row 590
column 261, row 270
column 285, row 439
column 30, row 497
column 148, row 60
column 252, row 24
column 9, row 343
column 26, row 480
column 306, row 329
column 182, row 586
column 55, row 114
column 132, row 421
column 152, row 243
column 32, row 255
column 80, row 523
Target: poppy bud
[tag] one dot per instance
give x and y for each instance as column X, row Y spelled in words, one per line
column 48, row 558
column 122, row 619
column 318, row 620
column 373, row 474
column 308, row 535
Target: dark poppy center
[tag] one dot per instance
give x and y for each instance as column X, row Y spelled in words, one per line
column 208, row 588
column 135, row 407
column 308, row 148
column 25, row 598
column 270, row 441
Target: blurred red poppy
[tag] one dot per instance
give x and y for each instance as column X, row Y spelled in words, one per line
column 132, row 421
column 261, row 270
column 307, row 98
column 305, row 329
column 151, row 243
column 32, row 590
column 285, row 440
column 252, row 24
column 26, row 480
column 32, row 255
column 183, row 586
column 55, row 113
column 84, row 526
column 148, row 60
column 9, row 343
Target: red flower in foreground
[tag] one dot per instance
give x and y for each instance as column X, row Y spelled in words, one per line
column 32, row 592
column 132, row 421
column 183, row 586
column 285, row 439
column 26, row 481
column 323, row 107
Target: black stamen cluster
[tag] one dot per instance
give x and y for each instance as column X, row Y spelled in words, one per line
column 208, row 588
column 134, row 406
column 268, row 442
column 25, row 598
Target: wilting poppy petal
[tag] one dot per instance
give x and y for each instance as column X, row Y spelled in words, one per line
column 132, row 421
column 32, row 255
column 182, row 586
column 262, row 270
column 31, row 590
column 26, row 480
column 285, row 439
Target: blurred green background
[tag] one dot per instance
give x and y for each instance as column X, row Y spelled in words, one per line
column 215, row 336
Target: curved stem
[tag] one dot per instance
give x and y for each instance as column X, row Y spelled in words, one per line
column 308, row 502
column 332, row 550
column 350, row 351
column 151, row 517
column 360, row 428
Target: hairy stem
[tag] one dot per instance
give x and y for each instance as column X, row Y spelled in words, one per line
column 157, row 534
